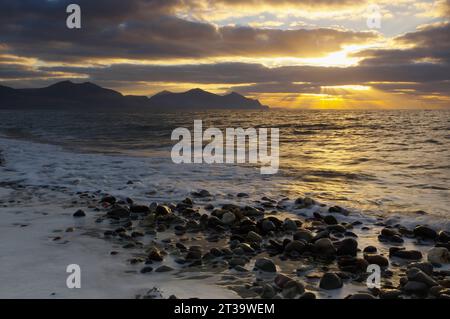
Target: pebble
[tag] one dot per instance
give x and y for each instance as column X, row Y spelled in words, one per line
column 330, row 220
column 415, row 287
column 425, row 232
column 377, row 260
column 308, row 295
column 228, row 218
column 304, row 234
column 405, row 254
column 438, row 255
column 119, row 212
column 139, row 209
column 268, row 226
column 416, row 274
column 289, row 225
column 360, row 296
column 370, row 249
column 155, row 255
column 443, row 237
column 163, row 268
column 390, row 294
column 163, row 210
column 146, row 269
column 237, row 261
column 426, row 267
column 348, row 246
column 79, row 213
column 295, row 247
column 265, row 264
column 253, row 237
column 324, row 247
column 268, row 292
column 282, row 280
column 330, row 281
column 292, row 289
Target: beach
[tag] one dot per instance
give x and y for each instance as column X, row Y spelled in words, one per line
column 143, row 227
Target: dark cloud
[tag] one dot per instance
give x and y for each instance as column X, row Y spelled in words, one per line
column 430, row 43
column 147, row 30
column 289, row 79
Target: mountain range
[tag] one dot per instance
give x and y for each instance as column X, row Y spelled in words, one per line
column 88, row 95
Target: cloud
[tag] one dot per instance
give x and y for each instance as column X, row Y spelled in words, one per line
column 430, row 43
column 147, row 30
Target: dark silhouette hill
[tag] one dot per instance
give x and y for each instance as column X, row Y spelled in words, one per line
column 90, row 96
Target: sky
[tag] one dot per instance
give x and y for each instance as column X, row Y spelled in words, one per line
column 317, row 54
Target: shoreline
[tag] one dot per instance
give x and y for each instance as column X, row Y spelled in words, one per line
column 260, row 253
column 114, row 248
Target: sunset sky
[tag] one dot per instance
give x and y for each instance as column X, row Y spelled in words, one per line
column 287, row 53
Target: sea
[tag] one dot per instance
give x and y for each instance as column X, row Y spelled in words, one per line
column 383, row 162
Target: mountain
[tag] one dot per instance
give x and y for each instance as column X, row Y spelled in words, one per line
column 89, row 96
column 199, row 100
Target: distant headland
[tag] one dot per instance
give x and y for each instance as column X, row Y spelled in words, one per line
column 88, row 95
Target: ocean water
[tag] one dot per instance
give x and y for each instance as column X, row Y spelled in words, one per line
column 388, row 163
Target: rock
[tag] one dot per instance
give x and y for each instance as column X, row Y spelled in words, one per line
column 360, row 296
column 426, row 267
column 155, row 255
column 202, row 193
column 163, row 268
column 108, row 199
column 352, row 264
column 348, row 246
column 282, row 280
column 246, row 248
column 443, row 237
column 308, row 295
column 268, row 292
column 242, row 195
column 370, row 249
column 377, row 260
column 330, row 220
column 289, row 225
column 438, row 255
column 336, row 228
column 194, row 254
column 405, row 254
column 240, row 268
column 416, row 274
column 146, row 269
column 137, row 234
column 324, row 247
column 228, row 218
column 330, row 281
column 338, row 210
column 139, row 209
column 79, row 213
column 389, row 232
column 163, row 210
column 214, row 222
column 304, row 202
column 425, row 232
column 292, row 289
column 118, row 212
column 265, row 264
column 267, row 226
column 295, row 248
column 253, row 237
column 415, row 287
column 390, row 294
column 304, row 234
column 237, row 261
